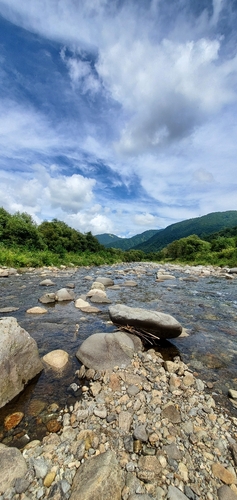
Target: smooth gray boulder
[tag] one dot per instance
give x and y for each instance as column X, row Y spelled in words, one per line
column 104, row 351
column 159, row 324
column 98, row 478
column 19, row 359
column 12, row 466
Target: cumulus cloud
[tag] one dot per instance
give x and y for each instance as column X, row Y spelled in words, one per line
column 38, row 192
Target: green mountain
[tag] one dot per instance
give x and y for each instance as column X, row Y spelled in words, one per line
column 201, row 226
column 112, row 241
column 106, row 238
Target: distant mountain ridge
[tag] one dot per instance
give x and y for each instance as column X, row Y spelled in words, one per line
column 112, row 241
column 154, row 240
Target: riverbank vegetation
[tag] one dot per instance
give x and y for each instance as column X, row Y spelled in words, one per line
column 24, row 244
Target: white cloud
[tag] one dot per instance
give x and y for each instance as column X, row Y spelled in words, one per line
column 146, row 220
column 70, row 193
column 39, row 193
column 81, row 73
column 92, row 219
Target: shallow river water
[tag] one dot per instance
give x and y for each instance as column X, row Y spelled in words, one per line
column 206, row 308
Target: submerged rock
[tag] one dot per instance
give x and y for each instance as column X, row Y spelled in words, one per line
column 159, row 324
column 56, row 359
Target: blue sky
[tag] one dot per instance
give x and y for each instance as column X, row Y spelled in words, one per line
column 118, row 115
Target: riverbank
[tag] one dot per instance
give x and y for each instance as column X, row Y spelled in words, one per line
column 162, row 435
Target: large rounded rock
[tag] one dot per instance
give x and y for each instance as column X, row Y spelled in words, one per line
column 159, row 324
column 103, row 351
column 12, row 467
column 98, row 478
column 19, row 359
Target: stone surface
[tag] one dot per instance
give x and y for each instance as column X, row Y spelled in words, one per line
column 159, row 324
column 56, row 359
column 47, row 282
column 103, row 351
column 63, row 295
column 175, row 494
column 105, row 281
column 48, row 298
column 12, row 466
column 19, row 359
column 36, row 310
column 99, row 479
column 11, row 421
column 225, row 493
column 222, row 473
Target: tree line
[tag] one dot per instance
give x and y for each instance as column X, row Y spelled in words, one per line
column 23, row 243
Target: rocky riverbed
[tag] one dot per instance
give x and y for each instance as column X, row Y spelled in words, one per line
column 148, row 431
column 165, row 432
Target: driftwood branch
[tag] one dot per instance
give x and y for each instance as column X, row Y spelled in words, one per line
column 144, row 334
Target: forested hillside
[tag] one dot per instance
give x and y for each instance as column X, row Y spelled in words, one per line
column 201, row 226
column 112, row 241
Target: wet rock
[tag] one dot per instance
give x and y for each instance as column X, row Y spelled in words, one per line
column 56, row 359
column 81, row 304
column 8, row 309
column 36, row 310
column 160, row 324
column 53, row 425
column 63, row 295
column 19, row 359
column 103, row 351
column 11, row 421
column 12, row 466
column 130, row 283
column 99, row 477
column 47, row 282
column 36, row 406
column 96, row 291
column 48, row 298
column 98, row 299
column 105, row 281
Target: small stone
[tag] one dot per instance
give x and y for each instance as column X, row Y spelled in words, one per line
column 37, row 310
column 11, row 421
column 125, row 420
column 175, row 494
column 171, row 412
column 140, row 433
column 53, row 425
column 49, row 478
column 100, row 413
column 232, row 393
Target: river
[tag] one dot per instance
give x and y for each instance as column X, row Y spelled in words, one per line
column 205, row 305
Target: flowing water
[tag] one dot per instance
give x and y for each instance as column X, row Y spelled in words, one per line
column 206, row 308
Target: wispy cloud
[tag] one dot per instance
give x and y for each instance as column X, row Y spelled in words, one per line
column 118, row 116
